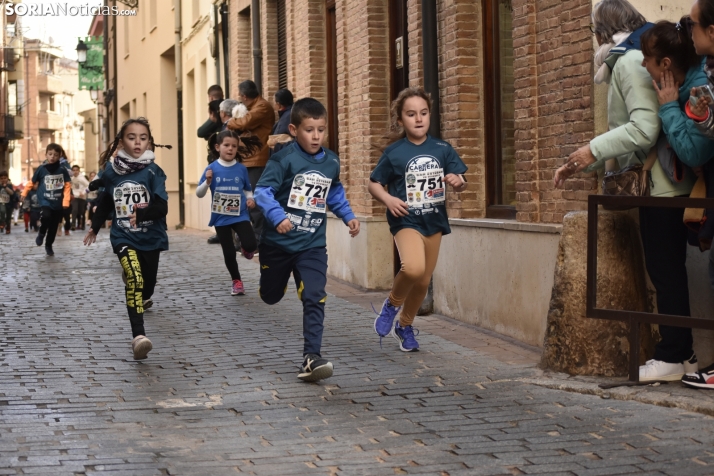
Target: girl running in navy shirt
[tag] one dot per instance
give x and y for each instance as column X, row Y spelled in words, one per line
column 416, row 169
column 231, row 197
column 135, row 190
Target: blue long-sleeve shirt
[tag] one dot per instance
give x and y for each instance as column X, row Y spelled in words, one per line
column 301, row 187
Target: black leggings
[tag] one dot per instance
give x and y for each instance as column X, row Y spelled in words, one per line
column 49, row 221
column 664, row 237
column 140, row 269
column 247, row 239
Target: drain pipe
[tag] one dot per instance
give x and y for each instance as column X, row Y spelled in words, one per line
column 216, row 44
column 226, row 62
column 431, row 62
column 431, row 85
column 257, row 51
column 179, row 109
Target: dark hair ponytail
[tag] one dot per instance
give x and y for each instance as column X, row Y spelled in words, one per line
column 247, row 144
column 107, row 154
column 673, row 41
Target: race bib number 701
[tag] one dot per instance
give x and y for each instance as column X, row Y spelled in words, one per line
column 128, row 197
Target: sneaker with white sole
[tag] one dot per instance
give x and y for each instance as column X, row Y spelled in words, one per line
column 659, row 370
column 315, row 368
column 700, row 379
column 141, row 346
column 237, row 289
column 148, row 303
column 384, row 322
column 406, row 338
column 691, row 365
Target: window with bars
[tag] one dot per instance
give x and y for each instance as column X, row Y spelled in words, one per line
column 282, row 47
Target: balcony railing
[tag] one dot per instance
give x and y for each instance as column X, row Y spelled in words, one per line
column 9, row 125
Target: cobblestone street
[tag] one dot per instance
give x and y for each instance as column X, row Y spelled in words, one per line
column 219, row 393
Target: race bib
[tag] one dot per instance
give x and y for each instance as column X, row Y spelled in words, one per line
column 425, row 188
column 226, row 204
column 128, row 197
column 54, row 182
column 309, row 193
column 4, row 197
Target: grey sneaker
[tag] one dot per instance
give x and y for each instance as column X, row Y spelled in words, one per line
column 141, row 346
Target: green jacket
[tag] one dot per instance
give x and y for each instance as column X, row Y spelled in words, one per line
column 632, row 110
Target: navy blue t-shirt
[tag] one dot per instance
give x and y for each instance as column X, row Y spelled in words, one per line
column 51, row 186
column 137, row 190
column 415, row 174
column 302, row 183
column 228, row 201
column 6, row 198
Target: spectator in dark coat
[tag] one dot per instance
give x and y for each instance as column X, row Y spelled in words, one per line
column 284, row 104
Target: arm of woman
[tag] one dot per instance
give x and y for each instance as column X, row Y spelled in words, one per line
column 690, row 145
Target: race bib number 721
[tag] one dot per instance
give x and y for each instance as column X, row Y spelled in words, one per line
column 309, row 192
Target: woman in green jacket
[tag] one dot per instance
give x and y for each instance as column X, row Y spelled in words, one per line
column 635, row 126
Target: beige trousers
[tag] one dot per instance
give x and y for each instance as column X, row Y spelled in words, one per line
column 418, row 254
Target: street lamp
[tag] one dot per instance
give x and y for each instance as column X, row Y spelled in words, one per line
column 94, row 94
column 82, row 52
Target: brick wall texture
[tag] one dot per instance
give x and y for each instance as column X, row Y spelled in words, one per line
column 551, row 75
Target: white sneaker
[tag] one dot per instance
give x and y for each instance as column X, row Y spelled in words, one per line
column 659, row 370
column 691, row 365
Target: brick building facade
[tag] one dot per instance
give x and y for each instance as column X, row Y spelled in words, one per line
column 515, row 92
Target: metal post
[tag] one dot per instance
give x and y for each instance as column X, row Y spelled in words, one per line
column 179, row 107
column 226, row 62
column 257, row 51
column 431, row 62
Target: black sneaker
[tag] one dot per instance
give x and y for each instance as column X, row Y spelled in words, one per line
column 213, row 240
column 48, row 250
column 315, row 368
column 40, row 238
column 700, row 379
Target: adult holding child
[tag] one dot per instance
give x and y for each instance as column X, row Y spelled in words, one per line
column 634, row 124
column 258, row 122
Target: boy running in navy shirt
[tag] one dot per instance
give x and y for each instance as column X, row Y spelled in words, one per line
column 53, row 189
column 7, row 193
column 298, row 186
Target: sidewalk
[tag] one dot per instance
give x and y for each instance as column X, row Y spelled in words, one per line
column 219, row 393
column 510, row 351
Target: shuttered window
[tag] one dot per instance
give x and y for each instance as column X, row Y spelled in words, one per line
column 282, row 47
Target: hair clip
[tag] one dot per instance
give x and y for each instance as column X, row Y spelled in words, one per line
column 679, row 26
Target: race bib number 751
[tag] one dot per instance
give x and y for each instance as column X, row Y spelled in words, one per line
column 425, row 188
